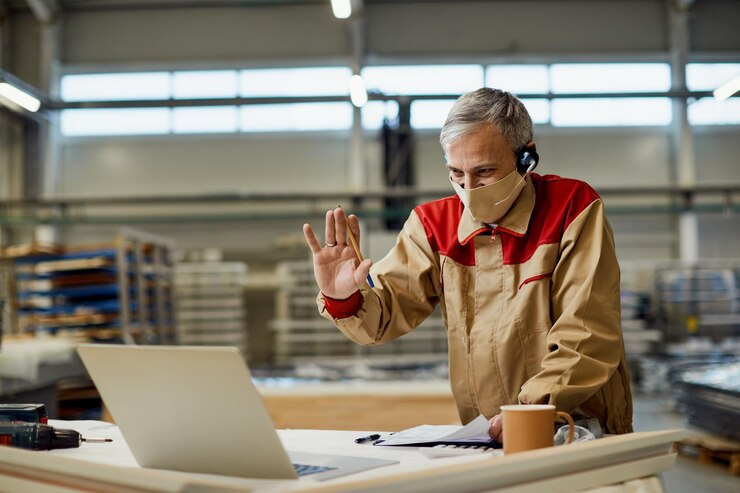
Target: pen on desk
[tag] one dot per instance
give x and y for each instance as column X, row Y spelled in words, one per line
column 368, row 438
column 353, row 240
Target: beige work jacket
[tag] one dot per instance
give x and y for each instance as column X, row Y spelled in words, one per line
column 532, row 306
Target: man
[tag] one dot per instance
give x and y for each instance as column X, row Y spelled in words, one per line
column 523, row 266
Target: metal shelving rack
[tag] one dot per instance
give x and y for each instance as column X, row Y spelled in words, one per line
column 699, row 300
column 692, row 319
column 211, row 307
column 302, row 335
column 145, row 264
column 113, row 292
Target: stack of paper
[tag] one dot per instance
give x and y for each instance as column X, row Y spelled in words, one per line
column 474, row 433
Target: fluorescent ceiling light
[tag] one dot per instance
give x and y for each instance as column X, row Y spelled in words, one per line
column 727, row 89
column 357, row 91
column 342, row 8
column 21, row 98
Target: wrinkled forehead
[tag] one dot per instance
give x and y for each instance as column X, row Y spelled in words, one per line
column 483, row 141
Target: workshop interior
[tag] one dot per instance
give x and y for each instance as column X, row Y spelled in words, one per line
column 164, row 306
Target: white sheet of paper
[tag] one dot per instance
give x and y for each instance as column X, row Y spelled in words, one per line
column 114, row 453
column 476, row 430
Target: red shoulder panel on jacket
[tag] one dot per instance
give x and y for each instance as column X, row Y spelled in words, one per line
column 558, row 201
column 441, row 219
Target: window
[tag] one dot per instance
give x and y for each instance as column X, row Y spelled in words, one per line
column 709, row 111
column 607, row 112
column 423, row 79
column 709, row 76
column 605, row 78
column 296, row 116
column 436, row 80
column 538, row 109
column 430, row 114
column 116, row 87
column 200, row 84
column 204, row 84
column 321, row 81
column 609, row 77
column 204, row 119
column 123, row 121
column 519, row 79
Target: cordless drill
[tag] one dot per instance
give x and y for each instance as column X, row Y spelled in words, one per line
column 24, row 425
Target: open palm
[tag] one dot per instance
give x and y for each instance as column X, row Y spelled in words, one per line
column 338, row 271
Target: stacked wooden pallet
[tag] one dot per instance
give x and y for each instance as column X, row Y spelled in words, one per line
column 711, row 450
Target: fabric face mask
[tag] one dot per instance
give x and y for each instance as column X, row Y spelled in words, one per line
column 489, row 203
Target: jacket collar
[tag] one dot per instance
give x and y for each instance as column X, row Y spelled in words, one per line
column 516, row 220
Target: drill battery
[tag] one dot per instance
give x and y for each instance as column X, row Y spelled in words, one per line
column 23, row 413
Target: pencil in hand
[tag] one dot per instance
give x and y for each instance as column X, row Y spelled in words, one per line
column 356, row 247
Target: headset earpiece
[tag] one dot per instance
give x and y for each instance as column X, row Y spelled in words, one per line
column 527, row 159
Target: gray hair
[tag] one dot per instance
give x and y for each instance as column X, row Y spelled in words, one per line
column 500, row 108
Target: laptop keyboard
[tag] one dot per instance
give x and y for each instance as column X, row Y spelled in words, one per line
column 306, row 469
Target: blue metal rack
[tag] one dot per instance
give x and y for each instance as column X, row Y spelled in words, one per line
column 127, row 287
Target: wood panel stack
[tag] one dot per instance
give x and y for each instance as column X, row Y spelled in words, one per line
column 211, row 309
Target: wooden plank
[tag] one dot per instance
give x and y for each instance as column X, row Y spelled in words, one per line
column 360, row 412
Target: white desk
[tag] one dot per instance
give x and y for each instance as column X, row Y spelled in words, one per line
column 110, row 467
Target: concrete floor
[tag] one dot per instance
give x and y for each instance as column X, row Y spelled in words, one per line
column 687, row 476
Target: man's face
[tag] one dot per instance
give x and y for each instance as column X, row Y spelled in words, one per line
column 479, row 158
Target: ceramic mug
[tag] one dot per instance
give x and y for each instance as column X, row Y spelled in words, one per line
column 531, row 426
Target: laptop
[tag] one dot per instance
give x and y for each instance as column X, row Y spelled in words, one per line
column 196, row 409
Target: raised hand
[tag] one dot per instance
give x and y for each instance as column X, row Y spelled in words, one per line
column 338, row 271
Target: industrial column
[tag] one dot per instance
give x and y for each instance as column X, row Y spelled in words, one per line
column 40, row 165
column 683, row 159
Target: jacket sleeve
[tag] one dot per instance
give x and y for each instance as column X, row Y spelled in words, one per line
column 406, row 291
column 585, row 341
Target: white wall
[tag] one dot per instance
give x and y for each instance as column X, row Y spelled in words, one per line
column 132, row 166
column 717, row 153
column 505, row 28
column 126, row 166
column 250, row 34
